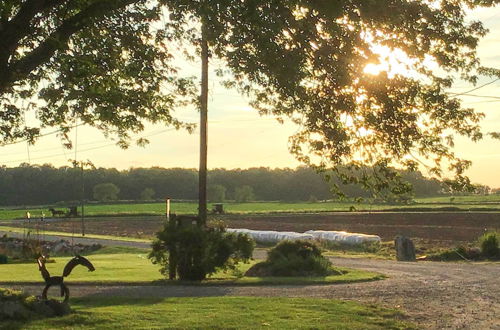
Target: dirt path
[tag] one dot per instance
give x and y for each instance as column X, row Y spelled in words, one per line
column 433, row 295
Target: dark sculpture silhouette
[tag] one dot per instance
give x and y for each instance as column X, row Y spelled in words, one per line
column 59, row 280
column 56, row 212
column 72, row 212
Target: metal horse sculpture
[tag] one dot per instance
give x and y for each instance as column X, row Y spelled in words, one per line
column 59, row 280
column 56, row 212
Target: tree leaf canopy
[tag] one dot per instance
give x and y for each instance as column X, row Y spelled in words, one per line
column 111, row 64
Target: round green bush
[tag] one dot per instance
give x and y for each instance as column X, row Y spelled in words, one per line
column 294, row 258
column 3, row 259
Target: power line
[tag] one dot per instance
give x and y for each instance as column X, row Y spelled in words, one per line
column 55, row 148
column 157, row 132
column 474, row 95
column 495, row 15
column 482, row 102
column 476, row 88
column 41, row 135
column 38, row 136
column 58, row 154
column 466, row 93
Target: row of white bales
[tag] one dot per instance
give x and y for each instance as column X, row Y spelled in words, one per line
column 273, row 237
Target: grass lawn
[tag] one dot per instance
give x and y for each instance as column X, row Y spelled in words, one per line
column 129, row 265
column 220, row 313
column 490, row 202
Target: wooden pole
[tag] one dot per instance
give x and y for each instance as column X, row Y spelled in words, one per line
column 82, row 201
column 202, row 179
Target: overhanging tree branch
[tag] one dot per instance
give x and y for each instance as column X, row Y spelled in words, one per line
column 58, row 40
column 11, row 32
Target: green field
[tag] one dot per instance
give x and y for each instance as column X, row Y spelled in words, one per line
column 447, row 203
column 219, row 313
column 471, row 199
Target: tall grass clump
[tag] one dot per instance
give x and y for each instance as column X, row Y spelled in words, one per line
column 488, row 249
column 489, row 244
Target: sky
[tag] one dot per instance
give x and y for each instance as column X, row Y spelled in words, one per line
column 240, row 138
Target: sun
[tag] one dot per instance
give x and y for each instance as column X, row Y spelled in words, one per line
column 397, row 62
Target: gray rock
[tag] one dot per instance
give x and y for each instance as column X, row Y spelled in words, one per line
column 13, row 310
column 61, row 247
column 50, row 308
column 405, row 250
column 59, row 308
column 41, row 307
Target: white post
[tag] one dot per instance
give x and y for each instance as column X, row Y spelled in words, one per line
column 167, row 210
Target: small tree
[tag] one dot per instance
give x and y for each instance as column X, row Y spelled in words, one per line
column 194, row 252
column 147, row 194
column 244, row 194
column 104, row 192
column 216, row 193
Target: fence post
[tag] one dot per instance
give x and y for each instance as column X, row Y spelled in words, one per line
column 167, row 208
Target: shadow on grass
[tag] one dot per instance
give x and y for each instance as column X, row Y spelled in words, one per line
column 124, row 295
column 213, row 288
column 351, row 276
column 106, row 301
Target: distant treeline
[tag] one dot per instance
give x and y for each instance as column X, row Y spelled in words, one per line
column 45, row 184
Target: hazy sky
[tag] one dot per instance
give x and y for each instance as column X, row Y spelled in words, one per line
column 240, row 138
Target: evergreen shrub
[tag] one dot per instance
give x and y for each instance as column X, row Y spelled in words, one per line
column 199, row 251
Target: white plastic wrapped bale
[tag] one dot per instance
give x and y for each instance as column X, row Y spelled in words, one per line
column 343, row 237
column 271, row 236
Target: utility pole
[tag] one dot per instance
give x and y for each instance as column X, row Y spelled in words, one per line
column 202, row 173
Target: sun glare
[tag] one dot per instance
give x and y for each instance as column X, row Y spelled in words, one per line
column 350, row 124
column 396, row 62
